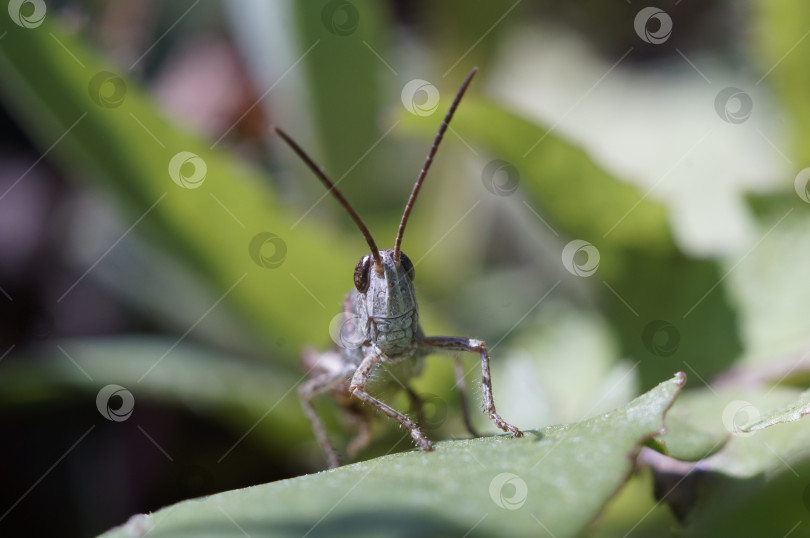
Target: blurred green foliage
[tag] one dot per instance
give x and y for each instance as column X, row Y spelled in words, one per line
column 235, row 327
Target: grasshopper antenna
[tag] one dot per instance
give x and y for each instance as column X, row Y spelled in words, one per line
column 429, row 161
column 375, row 252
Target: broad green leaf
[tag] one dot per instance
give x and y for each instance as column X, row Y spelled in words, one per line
column 569, row 189
column 551, row 482
column 769, row 290
column 770, row 286
column 744, row 483
column 704, row 420
column 344, row 85
column 790, row 413
column 695, row 427
column 757, row 485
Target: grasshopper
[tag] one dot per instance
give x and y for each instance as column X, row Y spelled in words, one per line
column 382, row 326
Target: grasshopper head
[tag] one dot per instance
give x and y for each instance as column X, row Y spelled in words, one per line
column 387, row 286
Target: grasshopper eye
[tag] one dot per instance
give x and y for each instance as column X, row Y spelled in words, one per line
column 407, row 266
column 361, row 273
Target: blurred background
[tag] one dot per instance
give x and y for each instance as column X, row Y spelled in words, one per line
column 622, row 195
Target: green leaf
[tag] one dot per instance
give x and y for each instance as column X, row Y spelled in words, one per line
column 743, row 483
column 705, row 420
column 347, row 39
column 757, row 485
column 790, row 413
column 552, row 481
column 695, row 428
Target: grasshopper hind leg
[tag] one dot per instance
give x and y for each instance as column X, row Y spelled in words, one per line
column 330, row 378
column 461, row 387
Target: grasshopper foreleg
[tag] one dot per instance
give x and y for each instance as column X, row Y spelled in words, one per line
column 450, row 343
column 357, row 388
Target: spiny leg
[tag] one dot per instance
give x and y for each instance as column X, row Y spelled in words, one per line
column 450, row 343
column 461, row 386
column 308, row 390
column 358, row 389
